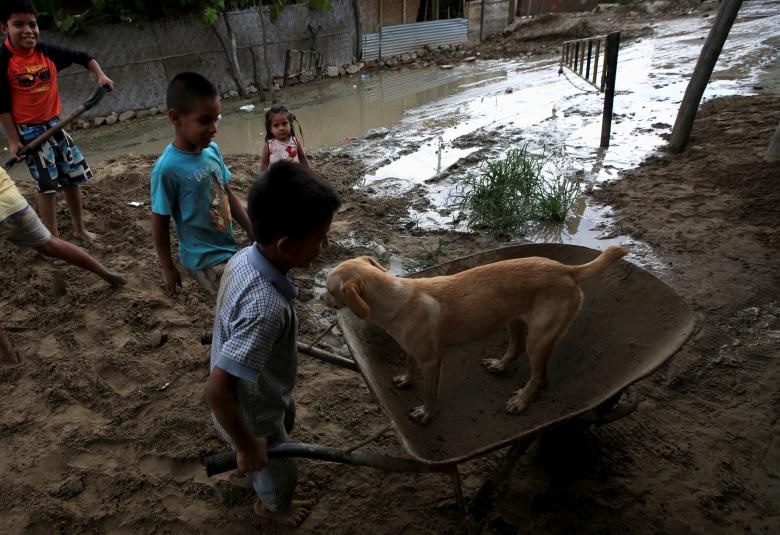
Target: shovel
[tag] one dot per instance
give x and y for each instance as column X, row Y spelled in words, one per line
column 92, row 101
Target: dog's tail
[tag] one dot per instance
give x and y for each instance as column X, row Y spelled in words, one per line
column 604, row 260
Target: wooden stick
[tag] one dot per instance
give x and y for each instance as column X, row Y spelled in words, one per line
column 702, row 72
column 372, row 438
column 323, row 333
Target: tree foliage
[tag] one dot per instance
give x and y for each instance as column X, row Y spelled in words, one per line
column 209, row 11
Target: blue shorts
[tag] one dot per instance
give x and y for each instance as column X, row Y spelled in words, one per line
column 58, row 162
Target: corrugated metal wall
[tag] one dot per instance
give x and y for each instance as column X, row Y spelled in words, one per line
column 394, row 40
column 406, row 82
column 370, row 45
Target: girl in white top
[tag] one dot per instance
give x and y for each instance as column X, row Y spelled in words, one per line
column 280, row 141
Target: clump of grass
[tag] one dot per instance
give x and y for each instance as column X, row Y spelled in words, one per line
column 555, row 198
column 509, row 194
column 430, row 255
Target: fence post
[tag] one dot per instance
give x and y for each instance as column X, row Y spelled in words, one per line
column 286, row 68
column 610, row 64
column 702, row 72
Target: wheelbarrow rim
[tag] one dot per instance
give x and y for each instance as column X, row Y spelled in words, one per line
column 587, row 410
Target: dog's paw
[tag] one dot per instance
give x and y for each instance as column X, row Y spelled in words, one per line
column 419, row 415
column 516, row 404
column 493, row 366
column 402, row 381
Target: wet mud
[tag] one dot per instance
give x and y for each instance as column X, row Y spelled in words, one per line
column 104, row 423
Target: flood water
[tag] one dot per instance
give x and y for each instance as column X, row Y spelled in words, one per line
column 535, row 104
column 430, row 111
column 329, row 112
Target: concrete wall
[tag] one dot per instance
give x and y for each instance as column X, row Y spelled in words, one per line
column 142, row 60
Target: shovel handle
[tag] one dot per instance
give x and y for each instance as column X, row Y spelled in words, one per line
column 96, row 96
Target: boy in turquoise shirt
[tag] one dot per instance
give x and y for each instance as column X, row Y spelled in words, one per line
column 190, row 182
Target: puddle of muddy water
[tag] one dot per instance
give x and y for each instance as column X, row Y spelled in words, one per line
column 329, row 112
column 443, row 124
column 533, row 103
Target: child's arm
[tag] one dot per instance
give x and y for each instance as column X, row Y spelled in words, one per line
column 266, row 157
column 63, row 57
column 251, row 452
column 102, row 79
column 161, row 236
column 302, row 155
column 9, row 127
column 238, row 212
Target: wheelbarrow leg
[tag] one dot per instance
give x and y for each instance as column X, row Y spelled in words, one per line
column 455, row 476
column 481, row 505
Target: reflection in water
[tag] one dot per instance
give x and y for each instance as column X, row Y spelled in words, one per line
column 534, row 104
column 329, row 112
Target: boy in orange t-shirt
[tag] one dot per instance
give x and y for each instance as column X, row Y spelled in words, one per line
column 30, row 105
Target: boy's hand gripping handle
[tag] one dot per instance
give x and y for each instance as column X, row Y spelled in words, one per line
column 92, row 101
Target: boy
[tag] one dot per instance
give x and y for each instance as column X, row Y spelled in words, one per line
column 253, row 352
column 30, row 105
column 20, row 225
column 190, row 183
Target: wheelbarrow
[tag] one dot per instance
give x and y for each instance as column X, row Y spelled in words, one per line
column 630, row 323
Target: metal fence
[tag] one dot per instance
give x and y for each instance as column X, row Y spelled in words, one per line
column 301, row 66
column 582, row 57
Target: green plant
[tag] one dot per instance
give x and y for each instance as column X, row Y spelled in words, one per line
column 430, row 255
column 72, row 18
column 510, row 193
column 555, row 198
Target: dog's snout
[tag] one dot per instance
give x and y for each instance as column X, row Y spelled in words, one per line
column 327, row 298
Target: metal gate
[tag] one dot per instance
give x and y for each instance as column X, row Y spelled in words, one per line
column 394, row 40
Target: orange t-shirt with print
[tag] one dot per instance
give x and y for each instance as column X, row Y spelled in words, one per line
column 32, row 77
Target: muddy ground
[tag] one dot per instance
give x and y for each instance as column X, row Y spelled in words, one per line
column 103, row 424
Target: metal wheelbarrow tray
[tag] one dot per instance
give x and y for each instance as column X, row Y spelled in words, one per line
column 630, row 323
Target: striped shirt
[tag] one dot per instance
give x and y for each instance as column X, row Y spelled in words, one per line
column 254, row 339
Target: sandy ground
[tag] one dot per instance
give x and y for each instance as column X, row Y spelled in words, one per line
column 103, row 424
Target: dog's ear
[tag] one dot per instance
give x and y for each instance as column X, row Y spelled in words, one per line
column 354, row 301
column 374, row 263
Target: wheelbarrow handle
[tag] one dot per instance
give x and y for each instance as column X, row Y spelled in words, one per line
column 319, row 354
column 226, row 461
column 96, row 96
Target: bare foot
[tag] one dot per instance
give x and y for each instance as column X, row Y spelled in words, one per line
column 114, row 279
column 85, row 236
column 292, row 517
column 493, row 365
column 10, row 359
column 517, row 403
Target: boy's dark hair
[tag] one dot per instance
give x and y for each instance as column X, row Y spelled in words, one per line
column 273, row 111
column 290, row 200
column 9, row 7
column 186, row 90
